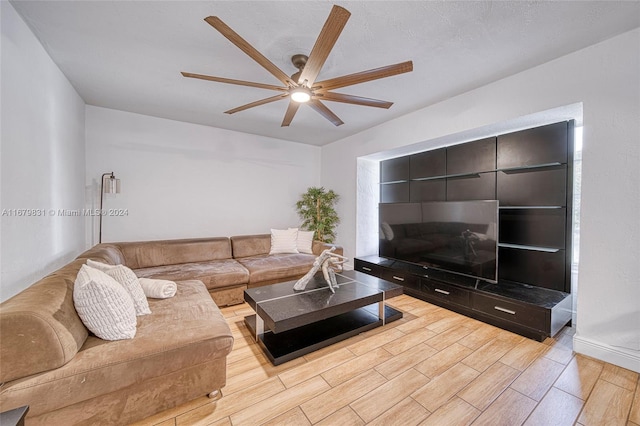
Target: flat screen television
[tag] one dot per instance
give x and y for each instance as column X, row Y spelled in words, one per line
column 452, row 236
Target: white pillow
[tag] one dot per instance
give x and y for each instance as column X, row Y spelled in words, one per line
column 284, row 241
column 127, row 279
column 305, row 241
column 104, row 306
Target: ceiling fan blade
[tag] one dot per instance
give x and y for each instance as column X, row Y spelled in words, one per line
column 257, row 103
column 361, row 77
column 351, row 99
column 328, row 36
column 247, row 48
column 325, row 112
column 231, row 81
column 291, row 112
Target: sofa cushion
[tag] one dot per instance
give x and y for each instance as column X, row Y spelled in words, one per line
column 250, row 245
column 183, row 332
column 147, row 254
column 276, row 267
column 214, row 274
column 41, row 321
column 104, row 305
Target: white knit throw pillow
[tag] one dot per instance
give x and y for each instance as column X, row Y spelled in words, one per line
column 127, row 279
column 104, row 306
column 284, row 241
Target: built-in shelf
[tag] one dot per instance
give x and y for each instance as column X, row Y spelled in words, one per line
column 395, row 181
column 528, row 167
column 529, row 172
column 477, row 173
column 459, row 175
column 465, row 175
column 532, row 248
column 429, row 178
column 530, row 207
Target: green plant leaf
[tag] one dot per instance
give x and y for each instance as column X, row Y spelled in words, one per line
column 316, row 209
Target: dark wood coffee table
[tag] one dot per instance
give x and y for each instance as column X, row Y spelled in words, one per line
column 289, row 324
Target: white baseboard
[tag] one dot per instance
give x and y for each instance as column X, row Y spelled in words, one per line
column 621, row 357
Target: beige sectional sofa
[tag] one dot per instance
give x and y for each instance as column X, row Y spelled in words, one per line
column 226, row 266
column 49, row 360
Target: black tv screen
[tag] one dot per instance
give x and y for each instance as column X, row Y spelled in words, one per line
column 453, row 236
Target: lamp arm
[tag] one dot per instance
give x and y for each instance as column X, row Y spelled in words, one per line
column 101, row 198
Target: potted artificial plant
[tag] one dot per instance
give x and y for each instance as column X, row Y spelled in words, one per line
column 317, row 213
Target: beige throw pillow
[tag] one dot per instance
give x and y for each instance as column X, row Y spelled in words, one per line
column 284, row 241
column 104, row 306
column 127, row 279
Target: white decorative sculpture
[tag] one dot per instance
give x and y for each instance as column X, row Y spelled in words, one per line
column 328, row 262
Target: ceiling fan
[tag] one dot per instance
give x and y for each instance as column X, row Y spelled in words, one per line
column 302, row 86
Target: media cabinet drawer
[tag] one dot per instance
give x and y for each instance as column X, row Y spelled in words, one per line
column 447, row 293
column 400, row 277
column 368, row 268
column 510, row 311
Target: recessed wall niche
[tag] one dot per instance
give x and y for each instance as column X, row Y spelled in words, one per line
column 530, row 173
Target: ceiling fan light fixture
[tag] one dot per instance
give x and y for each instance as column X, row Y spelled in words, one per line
column 300, row 94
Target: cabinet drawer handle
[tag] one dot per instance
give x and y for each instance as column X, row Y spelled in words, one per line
column 437, row 290
column 506, row 311
column 364, row 268
column 398, row 278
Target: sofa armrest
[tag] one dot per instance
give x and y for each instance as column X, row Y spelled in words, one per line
column 318, row 247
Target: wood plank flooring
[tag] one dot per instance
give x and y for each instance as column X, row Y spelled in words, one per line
column 433, row 367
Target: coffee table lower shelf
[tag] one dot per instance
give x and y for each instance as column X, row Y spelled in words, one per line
column 291, row 344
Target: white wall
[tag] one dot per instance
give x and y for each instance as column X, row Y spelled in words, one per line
column 182, row 180
column 42, row 159
column 602, row 80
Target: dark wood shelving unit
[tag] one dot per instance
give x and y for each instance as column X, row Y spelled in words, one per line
column 530, row 173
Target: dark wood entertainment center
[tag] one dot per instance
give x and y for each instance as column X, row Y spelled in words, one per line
column 530, row 173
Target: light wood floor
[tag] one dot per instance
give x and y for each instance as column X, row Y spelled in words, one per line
column 433, row 367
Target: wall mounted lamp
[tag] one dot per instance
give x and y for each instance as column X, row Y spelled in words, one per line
column 109, row 184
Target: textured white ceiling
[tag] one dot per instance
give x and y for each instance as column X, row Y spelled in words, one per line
column 127, row 55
